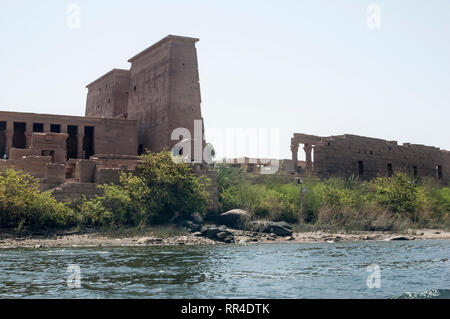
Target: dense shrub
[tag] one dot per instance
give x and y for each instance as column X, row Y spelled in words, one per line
column 23, row 205
column 173, row 189
column 399, row 193
column 93, row 213
column 161, row 191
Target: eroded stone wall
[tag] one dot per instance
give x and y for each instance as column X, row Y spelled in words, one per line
column 367, row 158
column 164, row 91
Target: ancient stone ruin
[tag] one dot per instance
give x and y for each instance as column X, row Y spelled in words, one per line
column 127, row 111
column 367, row 158
column 352, row 155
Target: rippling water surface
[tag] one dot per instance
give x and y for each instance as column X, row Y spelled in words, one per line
column 412, row 269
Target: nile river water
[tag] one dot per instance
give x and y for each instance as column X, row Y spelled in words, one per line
column 410, row 269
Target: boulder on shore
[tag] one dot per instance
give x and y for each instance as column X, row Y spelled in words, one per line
column 217, row 233
column 193, row 223
column 235, row 218
column 196, row 218
column 277, row 228
column 149, row 240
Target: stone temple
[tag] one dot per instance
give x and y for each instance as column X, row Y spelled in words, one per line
column 130, row 111
column 348, row 155
column 127, row 112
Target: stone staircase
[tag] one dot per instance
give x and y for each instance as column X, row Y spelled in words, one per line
column 72, row 191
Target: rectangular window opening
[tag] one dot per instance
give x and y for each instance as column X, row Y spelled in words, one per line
column 38, row 127
column 55, row 128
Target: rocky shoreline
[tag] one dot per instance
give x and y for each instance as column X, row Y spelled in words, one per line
column 241, row 237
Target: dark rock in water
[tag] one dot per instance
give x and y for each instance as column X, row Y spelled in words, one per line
column 398, row 238
column 235, row 218
column 197, row 218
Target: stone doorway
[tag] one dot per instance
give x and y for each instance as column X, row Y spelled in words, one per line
column 88, row 141
column 19, row 138
column 72, row 141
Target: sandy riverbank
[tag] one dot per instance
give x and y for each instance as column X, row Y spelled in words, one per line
column 241, row 237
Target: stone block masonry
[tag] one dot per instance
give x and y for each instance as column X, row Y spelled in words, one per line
column 367, row 158
column 84, row 136
column 161, row 91
column 127, row 111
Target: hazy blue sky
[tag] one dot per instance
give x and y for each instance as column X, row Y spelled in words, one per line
column 300, row 66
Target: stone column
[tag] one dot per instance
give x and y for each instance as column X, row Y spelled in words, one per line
column 80, row 137
column 308, row 152
column 28, row 133
column 294, row 150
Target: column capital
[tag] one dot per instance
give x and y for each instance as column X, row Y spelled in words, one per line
column 307, row 147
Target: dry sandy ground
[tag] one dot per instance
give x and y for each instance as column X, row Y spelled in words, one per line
column 241, row 237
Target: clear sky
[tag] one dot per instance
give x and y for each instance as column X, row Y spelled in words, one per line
column 312, row 67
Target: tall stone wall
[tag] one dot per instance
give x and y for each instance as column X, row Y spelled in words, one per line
column 164, row 91
column 370, row 157
column 108, row 96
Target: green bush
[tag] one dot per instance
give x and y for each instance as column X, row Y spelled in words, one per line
column 93, row 213
column 23, row 205
column 161, row 191
column 398, row 193
column 173, row 189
